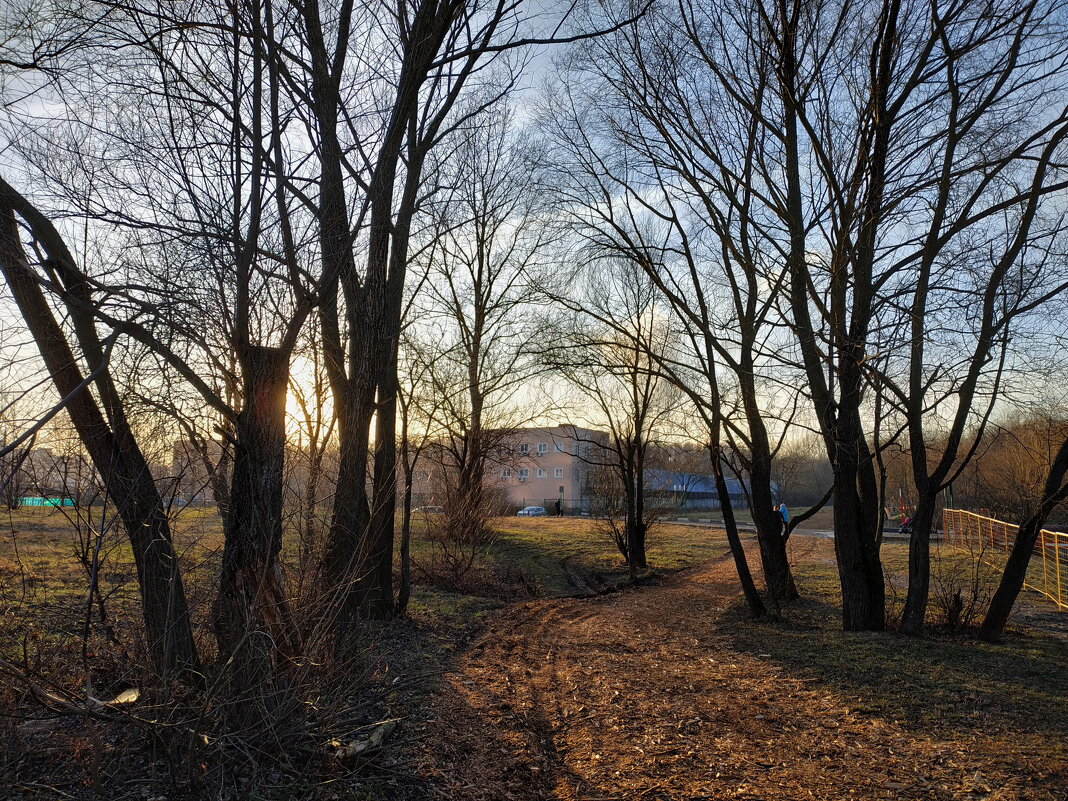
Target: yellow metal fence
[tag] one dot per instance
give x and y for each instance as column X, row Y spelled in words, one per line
column 985, row 536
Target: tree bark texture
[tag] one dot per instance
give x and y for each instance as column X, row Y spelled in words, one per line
column 254, row 625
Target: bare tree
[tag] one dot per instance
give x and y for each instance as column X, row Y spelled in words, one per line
column 883, row 167
column 103, row 426
column 194, row 179
column 615, row 367
column 404, row 91
column 474, row 312
column 663, row 174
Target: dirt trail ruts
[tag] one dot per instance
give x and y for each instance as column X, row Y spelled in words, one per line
column 640, row 695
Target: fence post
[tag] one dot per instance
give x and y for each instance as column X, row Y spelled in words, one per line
column 1042, row 542
column 1057, row 556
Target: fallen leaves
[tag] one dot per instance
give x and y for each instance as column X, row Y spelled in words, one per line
column 641, row 696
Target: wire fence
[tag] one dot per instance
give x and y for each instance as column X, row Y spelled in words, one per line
column 1048, row 571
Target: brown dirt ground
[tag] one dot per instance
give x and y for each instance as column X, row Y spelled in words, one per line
column 640, row 695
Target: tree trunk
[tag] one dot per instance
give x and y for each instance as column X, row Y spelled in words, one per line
column 861, row 578
column 121, row 465
column 254, row 625
column 1012, row 579
column 636, row 546
column 770, row 537
column 351, row 515
column 376, row 581
column 749, row 590
column 919, row 566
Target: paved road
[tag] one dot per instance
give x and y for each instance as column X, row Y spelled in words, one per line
column 819, row 533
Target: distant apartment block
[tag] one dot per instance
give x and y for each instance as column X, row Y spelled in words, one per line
column 551, row 463
column 531, row 466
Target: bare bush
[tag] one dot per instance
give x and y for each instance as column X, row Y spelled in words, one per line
column 964, row 582
column 460, row 536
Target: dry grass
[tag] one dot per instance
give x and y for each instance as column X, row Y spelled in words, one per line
column 1016, row 690
column 666, row 691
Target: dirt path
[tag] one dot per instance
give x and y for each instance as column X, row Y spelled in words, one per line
column 640, row 695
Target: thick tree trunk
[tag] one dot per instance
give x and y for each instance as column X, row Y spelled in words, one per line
column 636, row 547
column 254, row 625
column 770, row 535
column 121, row 465
column 859, row 571
column 856, row 510
column 1012, row 579
column 634, row 523
column 919, row 566
column 345, row 556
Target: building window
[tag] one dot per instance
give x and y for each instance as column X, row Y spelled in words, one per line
column 524, row 473
column 543, row 448
column 561, row 447
column 539, row 473
column 558, row 472
column 524, row 449
column 506, row 472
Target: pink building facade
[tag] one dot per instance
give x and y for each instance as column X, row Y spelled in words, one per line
column 533, row 467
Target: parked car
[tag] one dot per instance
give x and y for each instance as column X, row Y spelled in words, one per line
column 531, row 511
column 429, row 510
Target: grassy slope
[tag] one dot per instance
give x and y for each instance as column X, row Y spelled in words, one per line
column 941, row 683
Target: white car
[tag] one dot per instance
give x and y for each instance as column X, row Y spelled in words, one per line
column 531, row 511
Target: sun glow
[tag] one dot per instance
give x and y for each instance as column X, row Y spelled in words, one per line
column 309, row 402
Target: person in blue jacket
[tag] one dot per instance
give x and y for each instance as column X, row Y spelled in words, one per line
column 784, row 513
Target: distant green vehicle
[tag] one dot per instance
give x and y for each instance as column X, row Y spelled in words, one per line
column 53, row 502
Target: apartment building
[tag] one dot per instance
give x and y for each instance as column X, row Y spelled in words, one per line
column 538, row 466
column 549, row 464
column 529, row 466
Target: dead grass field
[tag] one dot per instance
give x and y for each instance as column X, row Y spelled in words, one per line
column 663, row 691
